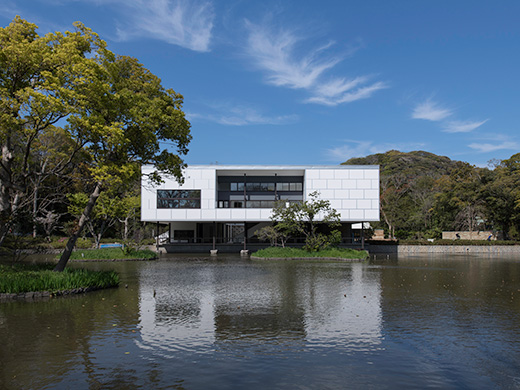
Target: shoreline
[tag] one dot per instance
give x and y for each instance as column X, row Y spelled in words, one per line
column 307, row 258
column 45, row 295
column 443, row 249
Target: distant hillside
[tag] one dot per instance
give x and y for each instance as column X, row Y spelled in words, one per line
column 410, row 164
column 423, row 194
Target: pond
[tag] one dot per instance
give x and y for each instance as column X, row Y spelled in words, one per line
column 186, row 322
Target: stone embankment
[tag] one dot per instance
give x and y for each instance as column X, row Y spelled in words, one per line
column 34, row 295
column 445, row 249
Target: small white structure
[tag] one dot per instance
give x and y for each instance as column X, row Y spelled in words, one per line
column 228, row 203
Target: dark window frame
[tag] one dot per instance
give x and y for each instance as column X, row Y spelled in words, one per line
column 178, row 199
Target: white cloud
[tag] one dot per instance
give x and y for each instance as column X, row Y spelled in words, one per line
column 278, row 54
column 348, row 97
column 353, row 148
column 274, row 52
column 486, row 148
column 180, row 22
column 430, row 111
column 462, row 126
column 242, row 116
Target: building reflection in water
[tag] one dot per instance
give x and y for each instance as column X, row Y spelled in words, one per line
column 204, row 307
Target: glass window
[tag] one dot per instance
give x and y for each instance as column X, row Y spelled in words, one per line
column 178, row 199
column 224, row 186
column 233, row 187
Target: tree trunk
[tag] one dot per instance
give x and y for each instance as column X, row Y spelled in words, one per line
column 82, row 220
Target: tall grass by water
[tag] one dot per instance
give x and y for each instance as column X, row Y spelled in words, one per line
column 19, row 278
column 340, row 253
column 112, row 254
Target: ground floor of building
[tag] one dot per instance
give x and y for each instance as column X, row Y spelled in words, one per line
column 191, row 236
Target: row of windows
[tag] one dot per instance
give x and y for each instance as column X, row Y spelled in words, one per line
column 250, row 204
column 260, row 187
column 190, row 199
column 178, row 199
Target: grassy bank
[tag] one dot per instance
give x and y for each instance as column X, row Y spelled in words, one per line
column 112, row 254
column 19, row 278
column 341, row 253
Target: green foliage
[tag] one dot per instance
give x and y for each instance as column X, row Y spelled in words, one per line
column 269, row 233
column 313, row 218
column 423, row 194
column 113, row 254
column 288, row 252
column 37, row 277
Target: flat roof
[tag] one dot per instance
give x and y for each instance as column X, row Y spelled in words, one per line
column 275, row 167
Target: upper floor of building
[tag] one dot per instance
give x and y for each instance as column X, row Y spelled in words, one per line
column 248, row 193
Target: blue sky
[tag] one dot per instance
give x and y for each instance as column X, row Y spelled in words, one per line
column 306, row 82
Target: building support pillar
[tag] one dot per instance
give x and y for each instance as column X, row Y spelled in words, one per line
column 214, row 251
column 245, row 252
column 362, row 235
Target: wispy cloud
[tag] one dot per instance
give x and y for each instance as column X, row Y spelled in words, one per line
column 351, row 148
column 431, row 111
column 462, row 126
column 180, row 22
column 275, row 52
column 283, row 56
column 333, row 98
column 488, row 147
column 241, row 116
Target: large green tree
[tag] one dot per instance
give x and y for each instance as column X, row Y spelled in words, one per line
column 38, row 80
column 111, row 109
column 126, row 119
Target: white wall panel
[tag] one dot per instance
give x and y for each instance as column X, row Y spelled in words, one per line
column 349, row 204
column 334, row 183
column 371, row 194
column 253, row 215
column 312, row 174
column 357, row 194
column 341, row 194
column 364, row 184
column 326, row 174
column 371, row 215
column 342, row 174
column 208, row 215
column 326, row 194
column 357, row 174
column 371, row 174
column 357, row 215
column 349, row 184
column 318, row 184
column 238, row 214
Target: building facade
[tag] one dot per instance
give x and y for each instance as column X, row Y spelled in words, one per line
column 227, row 204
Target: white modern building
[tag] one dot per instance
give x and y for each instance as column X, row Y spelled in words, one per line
column 226, row 204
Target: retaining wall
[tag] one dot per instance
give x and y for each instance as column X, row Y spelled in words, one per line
column 447, row 249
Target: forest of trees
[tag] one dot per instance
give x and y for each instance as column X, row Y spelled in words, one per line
column 423, row 194
column 76, row 123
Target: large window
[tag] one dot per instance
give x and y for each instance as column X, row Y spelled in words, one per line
column 178, row 199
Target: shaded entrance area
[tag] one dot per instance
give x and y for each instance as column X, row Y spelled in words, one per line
column 231, row 237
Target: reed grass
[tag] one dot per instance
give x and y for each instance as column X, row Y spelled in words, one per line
column 341, row 253
column 19, row 278
column 112, row 254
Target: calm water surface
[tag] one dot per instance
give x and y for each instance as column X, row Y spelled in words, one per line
column 200, row 323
